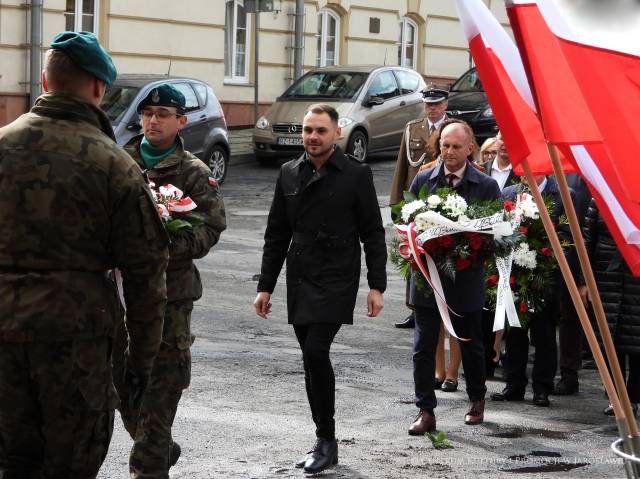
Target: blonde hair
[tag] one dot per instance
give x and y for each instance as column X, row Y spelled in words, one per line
column 488, row 143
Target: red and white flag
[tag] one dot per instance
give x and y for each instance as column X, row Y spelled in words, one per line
column 587, row 97
column 505, row 83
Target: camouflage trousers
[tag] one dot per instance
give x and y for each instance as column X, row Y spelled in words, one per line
column 56, row 408
column 150, row 425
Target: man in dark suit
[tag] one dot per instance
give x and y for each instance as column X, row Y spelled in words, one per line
column 500, row 167
column 570, row 334
column 324, row 205
column 542, row 324
column 465, row 296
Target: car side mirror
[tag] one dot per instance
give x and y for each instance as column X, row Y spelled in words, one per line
column 134, row 126
column 373, row 101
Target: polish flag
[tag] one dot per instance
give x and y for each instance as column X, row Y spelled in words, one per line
column 505, row 83
column 588, row 97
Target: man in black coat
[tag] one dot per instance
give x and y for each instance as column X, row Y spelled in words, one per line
column 324, row 205
column 542, row 324
column 465, row 296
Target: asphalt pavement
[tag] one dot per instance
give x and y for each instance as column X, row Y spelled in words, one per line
column 246, row 414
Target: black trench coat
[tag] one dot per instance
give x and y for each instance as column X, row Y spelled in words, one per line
column 317, row 221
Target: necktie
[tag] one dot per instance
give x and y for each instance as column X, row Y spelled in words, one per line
column 451, row 178
column 432, row 128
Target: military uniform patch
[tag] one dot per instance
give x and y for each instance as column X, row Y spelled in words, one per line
column 155, row 96
column 213, row 181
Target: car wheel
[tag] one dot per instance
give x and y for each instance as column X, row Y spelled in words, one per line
column 357, row 147
column 218, row 162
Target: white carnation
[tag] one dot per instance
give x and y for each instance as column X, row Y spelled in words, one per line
column 529, row 208
column 525, row 257
column 455, row 204
column 433, row 201
column 410, row 208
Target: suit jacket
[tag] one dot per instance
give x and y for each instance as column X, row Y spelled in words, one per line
column 317, row 221
column 512, row 179
column 467, row 293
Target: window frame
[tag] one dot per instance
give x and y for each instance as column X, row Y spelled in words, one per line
column 322, row 34
column 402, row 44
column 78, row 14
column 233, row 77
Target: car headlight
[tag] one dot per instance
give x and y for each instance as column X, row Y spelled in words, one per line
column 262, row 123
column 487, row 113
column 344, row 121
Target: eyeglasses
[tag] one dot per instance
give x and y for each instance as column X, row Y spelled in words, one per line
column 490, row 154
column 160, row 114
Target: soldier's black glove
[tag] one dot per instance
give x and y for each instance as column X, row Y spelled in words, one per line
column 135, row 385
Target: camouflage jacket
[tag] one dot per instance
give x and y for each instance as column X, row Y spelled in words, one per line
column 73, row 205
column 193, row 177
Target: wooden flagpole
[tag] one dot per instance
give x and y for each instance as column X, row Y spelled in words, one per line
column 575, row 295
column 596, row 302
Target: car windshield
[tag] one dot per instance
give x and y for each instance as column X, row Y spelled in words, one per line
column 117, row 100
column 468, row 82
column 334, row 85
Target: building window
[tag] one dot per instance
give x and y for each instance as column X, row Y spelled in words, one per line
column 407, row 44
column 81, row 16
column 327, row 39
column 236, row 42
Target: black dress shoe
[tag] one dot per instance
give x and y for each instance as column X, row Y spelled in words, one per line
column 174, row 453
column 302, row 461
column 508, row 394
column 565, row 387
column 408, row 322
column 324, row 455
column 541, row 399
column 438, row 383
column 449, row 385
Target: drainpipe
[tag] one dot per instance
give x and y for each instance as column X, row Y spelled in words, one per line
column 35, row 53
column 298, row 45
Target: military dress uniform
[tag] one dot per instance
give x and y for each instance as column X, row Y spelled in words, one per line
column 73, row 205
column 150, row 426
column 415, row 150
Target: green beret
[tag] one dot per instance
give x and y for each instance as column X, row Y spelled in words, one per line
column 87, row 53
column 164, row 95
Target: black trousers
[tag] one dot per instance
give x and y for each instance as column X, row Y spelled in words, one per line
column 315, row 342
column 542, row 327
column 468, row 325
column 570, row 336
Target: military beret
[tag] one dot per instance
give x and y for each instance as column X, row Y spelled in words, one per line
column 434, row 95
column 87, row 53
column 163, row 95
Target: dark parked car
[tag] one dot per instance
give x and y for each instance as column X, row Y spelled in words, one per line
column 468, row 102
column 205, row 134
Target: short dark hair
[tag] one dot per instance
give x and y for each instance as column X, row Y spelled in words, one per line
column 320, row 108
column 62, row 73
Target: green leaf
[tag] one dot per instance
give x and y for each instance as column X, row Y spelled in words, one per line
column 424, row 191
column 409, row 196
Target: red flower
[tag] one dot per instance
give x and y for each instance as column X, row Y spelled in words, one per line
column 492, row 280
column 524, row 230
column 523, row 308
column 475, row 242
column 512, row 281
column 446, row 241
column 546, row 251
column 508, row 205
column 462, row 263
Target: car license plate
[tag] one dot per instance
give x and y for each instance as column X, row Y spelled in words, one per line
column 289, row 141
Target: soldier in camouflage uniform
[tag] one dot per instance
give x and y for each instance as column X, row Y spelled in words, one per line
column 161, row 153
column 73, row 205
